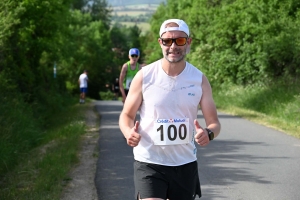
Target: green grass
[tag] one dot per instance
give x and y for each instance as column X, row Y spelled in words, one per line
column 276, row 106
column 42, row 172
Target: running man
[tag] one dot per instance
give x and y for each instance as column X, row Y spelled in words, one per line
column 167, row 93
column 128, row 71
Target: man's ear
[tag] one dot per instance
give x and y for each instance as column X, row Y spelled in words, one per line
column 189, row 41
column 159, row 40
column 160, row 43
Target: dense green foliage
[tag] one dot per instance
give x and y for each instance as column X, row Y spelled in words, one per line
column 238, row 41
column 35, row 37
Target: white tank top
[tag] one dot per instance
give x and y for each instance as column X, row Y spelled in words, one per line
column 169, row 107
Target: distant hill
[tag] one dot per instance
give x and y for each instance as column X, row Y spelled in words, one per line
column 132, row 2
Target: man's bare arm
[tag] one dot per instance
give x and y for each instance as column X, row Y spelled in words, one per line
column 133, row 101
column 209, row 109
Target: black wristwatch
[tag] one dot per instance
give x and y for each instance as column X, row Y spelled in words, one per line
column 211, row 134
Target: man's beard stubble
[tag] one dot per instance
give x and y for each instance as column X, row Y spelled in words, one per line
column 166, row 53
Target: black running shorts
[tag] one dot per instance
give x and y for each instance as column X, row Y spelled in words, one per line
column 166, row 182
column 126, row 92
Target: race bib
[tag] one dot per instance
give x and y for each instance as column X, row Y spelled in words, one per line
column 171, row 131
column 128, row 82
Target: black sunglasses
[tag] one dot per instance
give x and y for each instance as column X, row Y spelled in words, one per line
column 134, row 56
column 178, row 41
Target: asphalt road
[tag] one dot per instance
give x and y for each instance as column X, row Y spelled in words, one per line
column 246, row 162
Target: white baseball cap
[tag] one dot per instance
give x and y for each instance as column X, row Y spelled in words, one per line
column 182, row 26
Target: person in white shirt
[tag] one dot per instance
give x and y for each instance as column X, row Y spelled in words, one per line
column 167, row 94
column 83, row 85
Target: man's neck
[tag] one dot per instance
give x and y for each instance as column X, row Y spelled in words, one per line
column 173, row 69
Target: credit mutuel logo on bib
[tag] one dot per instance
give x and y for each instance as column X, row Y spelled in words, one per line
column 170, row 120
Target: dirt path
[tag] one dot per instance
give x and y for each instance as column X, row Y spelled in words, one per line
column 82, row 185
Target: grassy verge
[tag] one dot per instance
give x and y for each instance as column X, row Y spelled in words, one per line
column 42, row 172
column 276, row 106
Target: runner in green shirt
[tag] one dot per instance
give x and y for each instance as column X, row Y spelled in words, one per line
column 128, row 71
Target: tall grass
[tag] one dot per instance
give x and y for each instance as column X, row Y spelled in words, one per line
column 275, row 105
column 19, row 130
column 36, row 159
column 42, row 177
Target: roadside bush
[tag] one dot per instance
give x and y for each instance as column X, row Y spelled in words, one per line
column 108, row 95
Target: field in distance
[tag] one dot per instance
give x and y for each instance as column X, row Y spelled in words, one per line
column 143, row 26
column 144, row 7
column 130, row 13
column 133, row 13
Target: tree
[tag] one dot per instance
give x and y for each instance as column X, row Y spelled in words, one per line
column 98, row 9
